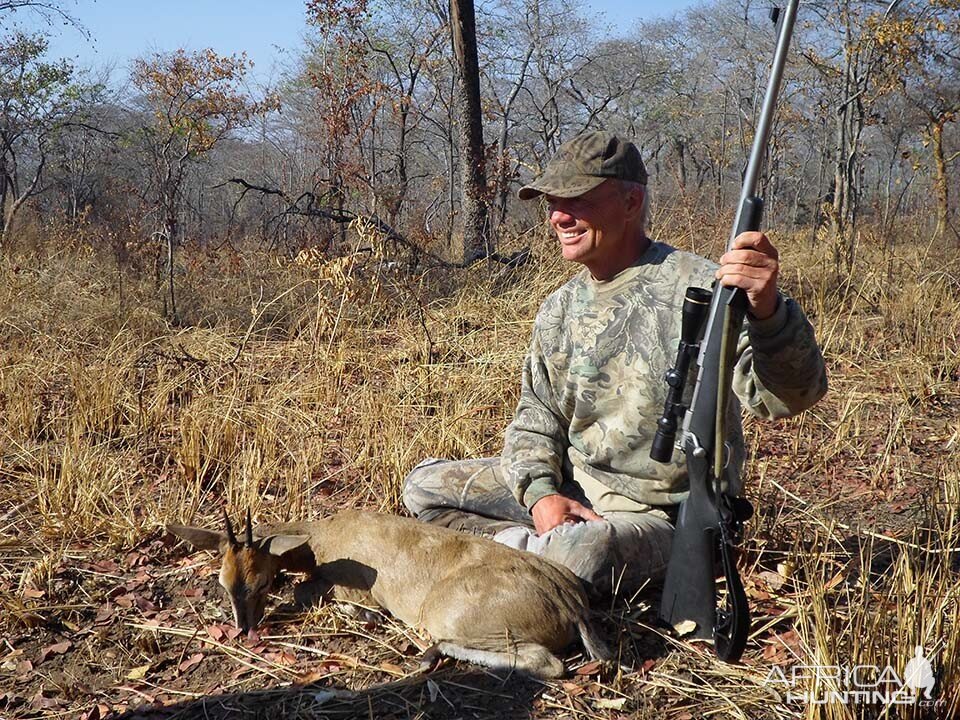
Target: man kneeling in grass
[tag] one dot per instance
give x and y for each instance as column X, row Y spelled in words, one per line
column 575, row 482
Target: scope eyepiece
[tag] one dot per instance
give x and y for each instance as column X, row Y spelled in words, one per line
column 696, row 304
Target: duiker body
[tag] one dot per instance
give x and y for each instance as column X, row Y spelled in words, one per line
column 479, row 600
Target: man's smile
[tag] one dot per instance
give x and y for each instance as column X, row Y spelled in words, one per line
column 570, row 237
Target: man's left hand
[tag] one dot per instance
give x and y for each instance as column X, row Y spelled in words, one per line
column 752, row 265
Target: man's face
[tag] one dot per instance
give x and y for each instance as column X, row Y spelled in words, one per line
column 592, row 227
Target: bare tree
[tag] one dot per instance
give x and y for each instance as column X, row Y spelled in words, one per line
column 195, row 101
column 926, row 48
column 36, row 101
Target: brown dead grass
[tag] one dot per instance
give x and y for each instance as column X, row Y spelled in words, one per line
column 299, row 389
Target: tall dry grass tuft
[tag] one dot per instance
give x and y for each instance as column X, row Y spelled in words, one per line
column 863, row 611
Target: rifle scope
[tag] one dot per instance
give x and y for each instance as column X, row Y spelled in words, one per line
column 696, row 303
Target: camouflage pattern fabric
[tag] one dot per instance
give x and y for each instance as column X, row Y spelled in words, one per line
column 593, row 386
column 620, row 554
column 584, row 162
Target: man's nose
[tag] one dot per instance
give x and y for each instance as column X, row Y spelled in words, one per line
column 560, row 215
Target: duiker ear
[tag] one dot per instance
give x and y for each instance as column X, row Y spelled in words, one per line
column 198, row 537
column 281, row 545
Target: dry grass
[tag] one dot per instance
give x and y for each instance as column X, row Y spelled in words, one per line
column 301, row 388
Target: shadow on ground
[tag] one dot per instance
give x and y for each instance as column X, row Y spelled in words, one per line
column 442, row 695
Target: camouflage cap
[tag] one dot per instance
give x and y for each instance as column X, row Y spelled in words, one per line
column 584, row 162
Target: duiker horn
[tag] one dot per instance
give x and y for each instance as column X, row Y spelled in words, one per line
column 230, row 536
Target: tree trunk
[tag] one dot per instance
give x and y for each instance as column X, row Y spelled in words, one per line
column 818, row 199
column 680, row 146
column 171, row 232
column 838, row 214
column 941, row 184
column 718, row 203
column 476, row 234
column 18, row 200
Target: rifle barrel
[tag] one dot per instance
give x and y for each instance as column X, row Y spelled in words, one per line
column 751, row 177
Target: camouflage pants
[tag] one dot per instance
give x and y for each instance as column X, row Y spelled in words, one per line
column 620, row 554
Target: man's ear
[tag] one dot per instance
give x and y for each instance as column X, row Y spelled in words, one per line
column 635, row 199
column 198, row 537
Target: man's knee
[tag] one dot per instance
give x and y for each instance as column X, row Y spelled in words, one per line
column 611, row 556
column 418, row 491
column 587, row 549
column 643, row 548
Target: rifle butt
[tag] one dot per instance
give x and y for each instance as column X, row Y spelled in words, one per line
column 690, row 588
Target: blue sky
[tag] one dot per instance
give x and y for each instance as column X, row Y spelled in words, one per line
column 123, row 29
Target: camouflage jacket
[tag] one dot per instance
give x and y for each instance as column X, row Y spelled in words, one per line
column 593, row 387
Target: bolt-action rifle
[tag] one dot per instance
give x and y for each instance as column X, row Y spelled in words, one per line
column 710, row 520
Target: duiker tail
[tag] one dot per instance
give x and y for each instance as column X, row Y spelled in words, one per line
column 596, row 648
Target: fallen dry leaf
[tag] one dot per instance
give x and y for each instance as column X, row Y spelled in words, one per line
column 143, row 604
column 311, row 677
column 685, row 627
column 139, row 673
column 782, row 648
column 42, row 702
column 611, row 704
column 9, row 700
column 283, row 657
column 103, row 566
column 773, row 580
column 56, row 649
column 11, row 659
column 391, row 668
column 92, row 714
column 190, row 662
column 835, row 580
column 591, row 668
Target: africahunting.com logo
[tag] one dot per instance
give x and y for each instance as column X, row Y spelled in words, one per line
column 857, row 684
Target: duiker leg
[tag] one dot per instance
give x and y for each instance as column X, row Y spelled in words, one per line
column 528, row 658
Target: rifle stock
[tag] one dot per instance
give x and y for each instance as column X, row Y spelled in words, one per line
column 710, row 519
